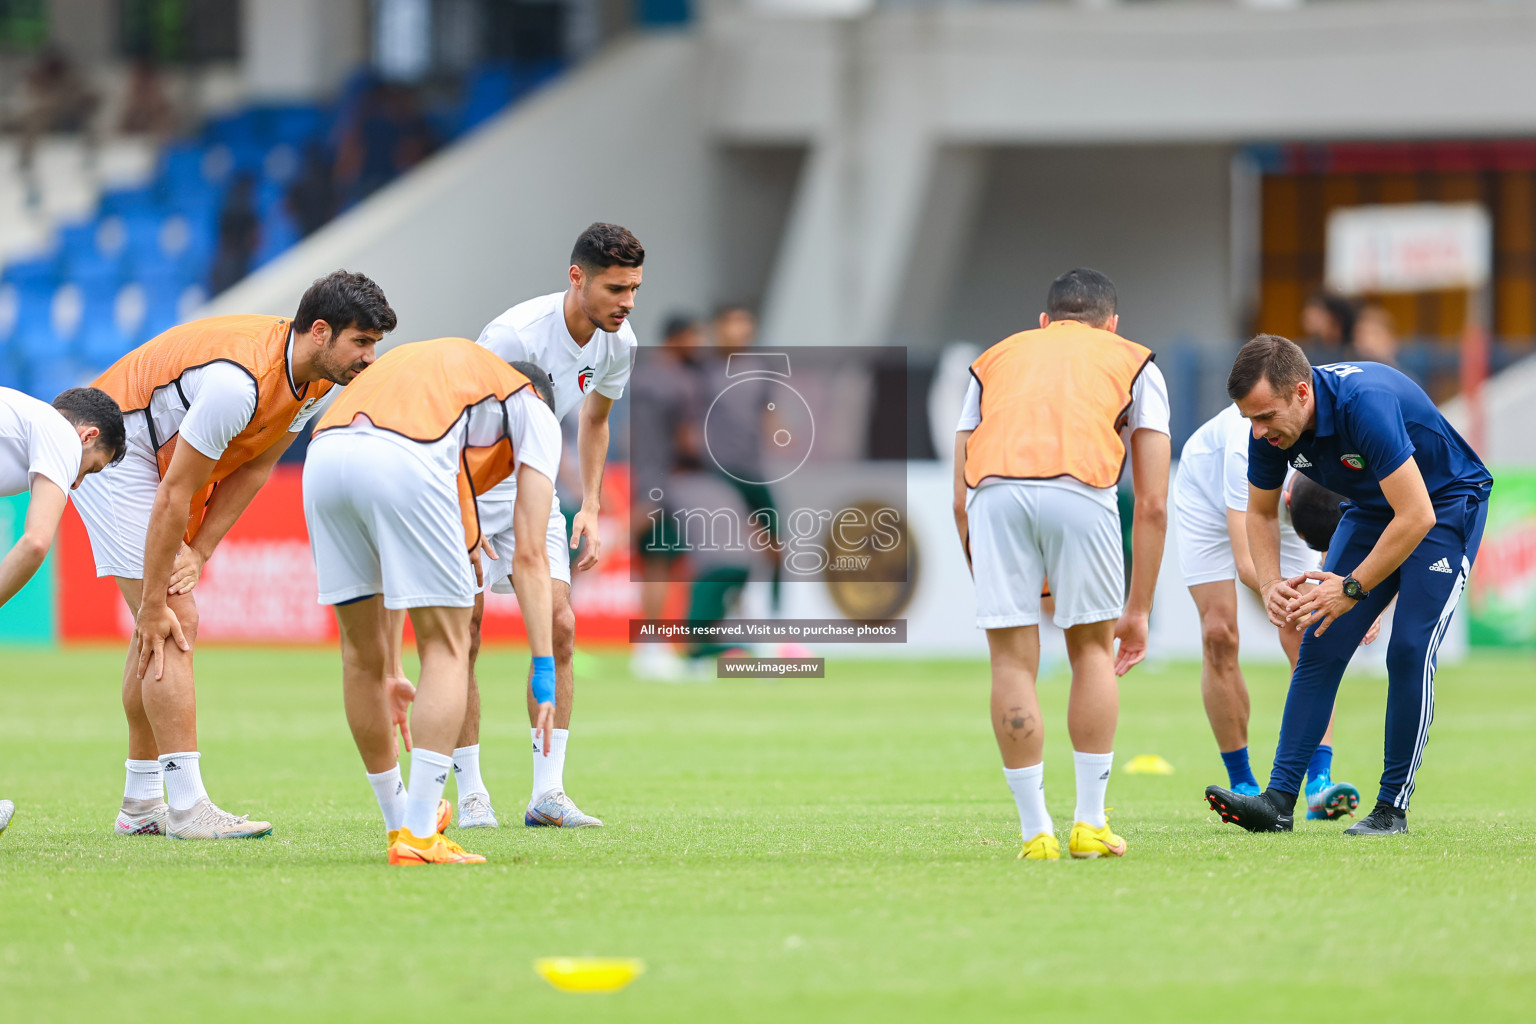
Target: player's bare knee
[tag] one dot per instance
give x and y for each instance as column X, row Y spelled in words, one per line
column 1218, row 635
column 564, row 632
column 186, row 613
column 474, row 634
column 362, row 656
column 1090, row 639
column 474, row 644
column 452, row 644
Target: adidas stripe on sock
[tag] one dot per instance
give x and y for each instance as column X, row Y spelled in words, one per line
column 1093, row 772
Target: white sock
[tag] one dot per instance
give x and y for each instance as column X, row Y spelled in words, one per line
column 1093, row 772
column 390, row 792
column 429, row 774
column 1028, row 787
column 183, row 773
column 145, row 782
column 466, row 771
column 548, row 772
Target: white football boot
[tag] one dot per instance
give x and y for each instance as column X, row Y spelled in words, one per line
column 555, row 810
column 475, row 811
column 141, row 817
column 205, row 821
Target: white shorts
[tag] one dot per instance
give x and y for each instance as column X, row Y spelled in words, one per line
column 383, row 521
column 1205, row 549
column 1022, row 533
column 115, row 505
column 496, row 524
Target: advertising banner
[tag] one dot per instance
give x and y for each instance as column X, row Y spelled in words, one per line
column 1408, row 247
column 603, row 598
column 260, row 587
column 1502, row 591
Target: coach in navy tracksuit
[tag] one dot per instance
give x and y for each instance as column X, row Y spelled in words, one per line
column 1418, row 498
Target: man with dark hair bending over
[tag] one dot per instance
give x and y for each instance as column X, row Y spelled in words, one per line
column 582, row 339
column 209, row 407
column 1418, row 498
column 389, row 499
column 45, row 451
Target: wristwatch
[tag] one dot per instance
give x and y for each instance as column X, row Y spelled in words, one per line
column 1353, row 590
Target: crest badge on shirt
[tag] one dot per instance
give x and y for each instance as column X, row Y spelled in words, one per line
column 309, row 403
column 1353, row 461
column 584, row 378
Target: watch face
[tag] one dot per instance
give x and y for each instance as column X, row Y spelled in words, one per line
column 1351, row 588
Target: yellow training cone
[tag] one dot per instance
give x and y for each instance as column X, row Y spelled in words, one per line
column 588, row 974
column 1148, row 764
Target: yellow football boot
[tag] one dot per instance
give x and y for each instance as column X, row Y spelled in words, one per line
column 1087, row 842
column 435, row 849
column 1043, row 847
column 444, row 817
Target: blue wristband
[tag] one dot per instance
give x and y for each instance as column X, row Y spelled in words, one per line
column 544, row 680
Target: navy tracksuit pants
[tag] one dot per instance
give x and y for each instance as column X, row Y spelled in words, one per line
column 1427, row 586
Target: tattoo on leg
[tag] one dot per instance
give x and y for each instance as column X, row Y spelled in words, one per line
column 1018, row 720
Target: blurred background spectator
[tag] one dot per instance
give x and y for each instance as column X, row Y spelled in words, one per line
column 54, row 99
column 239, row 233
column 1328, row 326
column 665, row 423
column 147, row 108
column 312, row 197
column 1375, row 335
column 386, row 136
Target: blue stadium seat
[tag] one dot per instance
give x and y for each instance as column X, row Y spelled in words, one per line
column 10, row 372
column 77, row 242
column 181, row 167
column 98, row 339
column 124, row 201
column 101, row 342
column 196, row 237
column 249, row 155
column 95, row 276
column 36, row 273
column 294, row 125
column 46, row 379
column 35, row 341
column 231, row 128
column 143, row 242
column 188, row 236
column 270, row 196
column 163, row 297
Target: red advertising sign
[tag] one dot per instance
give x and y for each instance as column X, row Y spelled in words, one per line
column 259, row 587
column 603, row 598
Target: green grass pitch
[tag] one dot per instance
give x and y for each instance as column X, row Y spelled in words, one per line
column 839, row 849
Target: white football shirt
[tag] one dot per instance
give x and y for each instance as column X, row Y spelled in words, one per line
column 35, row 440
column 535, row 331
column 1213, row 473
